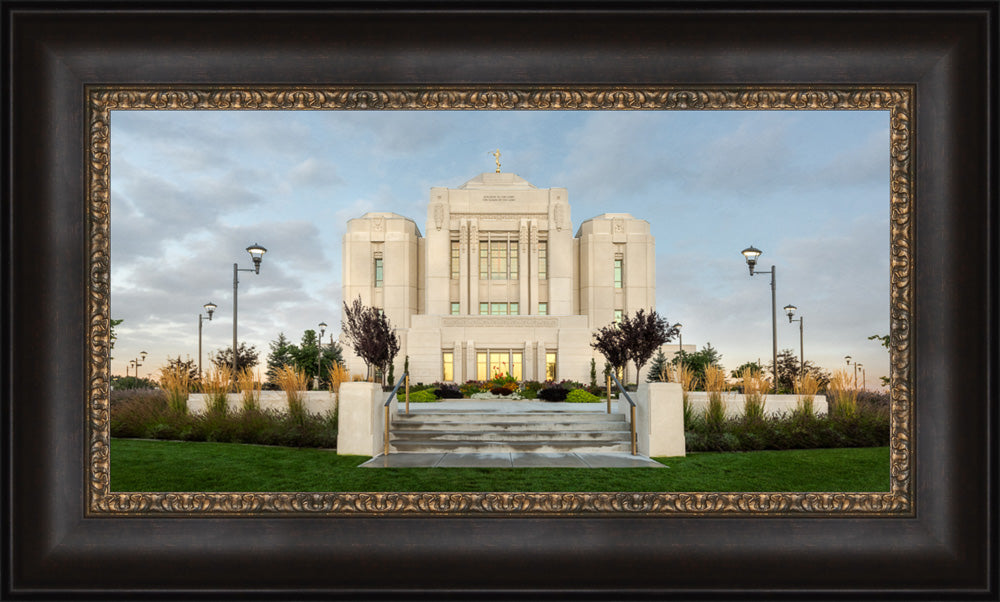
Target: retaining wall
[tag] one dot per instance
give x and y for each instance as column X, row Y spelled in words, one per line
column 316, row 402
column 773, row 404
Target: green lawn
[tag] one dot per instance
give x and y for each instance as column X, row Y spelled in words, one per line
column 141, row 465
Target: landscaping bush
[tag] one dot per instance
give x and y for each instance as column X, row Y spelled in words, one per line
column 581, row 396
column 416, row 387
column 553, row 393
column 865, row 428
column 448, row 392
column 470, row 388
column 147, row 414
column 530, row 388
column 421, row 396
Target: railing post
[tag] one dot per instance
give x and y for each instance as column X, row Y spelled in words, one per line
column 407, row 376
column 386, row 445
column 607, row 382
column 633, row 431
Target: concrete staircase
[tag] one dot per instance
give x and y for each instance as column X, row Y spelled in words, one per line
column 472, row 431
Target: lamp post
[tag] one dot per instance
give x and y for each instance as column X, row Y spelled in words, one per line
column 136, row 363
column 680, row 345
column 319, row 351
column 790, row 310
column 848, row 358
column 256, row 253
column 751, row 253
column 864, row 384
column 210, row 308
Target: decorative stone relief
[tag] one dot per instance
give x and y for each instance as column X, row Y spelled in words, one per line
column 499, row 322
column 438, row 215
column 618, row 230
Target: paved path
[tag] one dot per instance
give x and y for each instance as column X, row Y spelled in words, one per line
column 511, row 460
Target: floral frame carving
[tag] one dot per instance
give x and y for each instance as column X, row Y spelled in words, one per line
column 897, row 100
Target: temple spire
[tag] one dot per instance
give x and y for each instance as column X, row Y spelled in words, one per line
column 496, row 155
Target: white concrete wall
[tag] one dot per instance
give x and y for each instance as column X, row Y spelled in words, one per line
column 316, row 402
column 659, row 419
column 773, row 404
column 361, row 425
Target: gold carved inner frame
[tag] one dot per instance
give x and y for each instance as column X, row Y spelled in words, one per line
column 897, row 100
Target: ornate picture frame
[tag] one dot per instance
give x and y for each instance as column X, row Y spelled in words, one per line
column 895, row 100
column 934, row 536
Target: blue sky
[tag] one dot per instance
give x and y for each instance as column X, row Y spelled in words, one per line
column 190, row 190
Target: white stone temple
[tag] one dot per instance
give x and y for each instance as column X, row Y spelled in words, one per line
column 498, row 281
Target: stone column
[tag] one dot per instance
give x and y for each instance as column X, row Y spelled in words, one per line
column 463, row 269
column 526, row 361
column 532, row 268
column 473, row 268
column 540, row 361
column 462, row 363
column 523, row 273
column 470, row 359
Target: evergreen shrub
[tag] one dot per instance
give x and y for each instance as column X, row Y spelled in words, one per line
column 581, row 396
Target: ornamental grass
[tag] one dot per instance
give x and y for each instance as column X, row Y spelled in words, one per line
column 338, row 374
column 806, row 388
column 684, row 376
column 146, row 415
column 754, row 393
column 215, row 385
column 250, row 386
column 176, row 383
column 845, row 398
column 715, row 384
column 293, row 382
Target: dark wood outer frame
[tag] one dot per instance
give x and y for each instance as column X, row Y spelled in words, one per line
column 948, row 56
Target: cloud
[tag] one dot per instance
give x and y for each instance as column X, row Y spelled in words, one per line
column 314, row 173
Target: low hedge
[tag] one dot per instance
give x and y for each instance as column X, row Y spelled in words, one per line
column 146, row 415
column 868, row 428
column 581, row 396
column 422, row 396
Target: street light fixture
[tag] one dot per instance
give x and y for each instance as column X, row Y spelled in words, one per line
column 790, row 310
column 210, row 308
column 136, row 363
column 751, row 254
column 848, row 358
column 319, row 351
column 864, row 382
column 256, row 253
column 680, row 345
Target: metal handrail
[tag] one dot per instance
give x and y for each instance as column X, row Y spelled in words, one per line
column 631, row 403
column 404, row 378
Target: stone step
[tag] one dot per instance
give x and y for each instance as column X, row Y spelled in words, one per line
column 495, row 417
column 513, row 427
column 566, row 435
column 509, row 446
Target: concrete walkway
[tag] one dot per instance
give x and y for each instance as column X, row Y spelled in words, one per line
column 511, row 459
